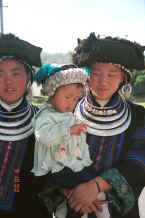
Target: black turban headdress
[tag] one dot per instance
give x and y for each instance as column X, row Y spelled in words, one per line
column 109, row 50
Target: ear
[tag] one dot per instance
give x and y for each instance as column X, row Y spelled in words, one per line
column 88, row 81
column 28, row 85
column 122, row 77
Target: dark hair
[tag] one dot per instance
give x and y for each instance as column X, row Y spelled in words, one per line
column 65, row 67
column 78, row 85
column 29, row 70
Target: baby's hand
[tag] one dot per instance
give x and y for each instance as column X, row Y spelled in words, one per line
column 78, row 129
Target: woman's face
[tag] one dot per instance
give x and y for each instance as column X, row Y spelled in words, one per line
column 13, row 80
column 104, row 80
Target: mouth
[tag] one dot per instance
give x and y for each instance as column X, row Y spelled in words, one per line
column 102, row 89
column 10, row 90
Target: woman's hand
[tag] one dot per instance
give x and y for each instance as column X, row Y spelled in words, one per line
column 83, row 196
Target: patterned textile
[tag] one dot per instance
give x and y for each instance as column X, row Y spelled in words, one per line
column 15, row 127
column 16, row 124
column 125, row 195
column 11, row 158
column 54, row 76
column 104, row 121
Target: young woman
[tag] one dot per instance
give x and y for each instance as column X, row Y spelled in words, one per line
column 115, row 126
column 18, row 187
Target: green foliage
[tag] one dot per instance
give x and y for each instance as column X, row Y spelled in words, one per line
column 37, row 101
column 138, row 83
column 141, row 103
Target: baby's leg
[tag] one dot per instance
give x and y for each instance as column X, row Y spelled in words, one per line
column 141, row 204
column 61, row 211
column 105, row 211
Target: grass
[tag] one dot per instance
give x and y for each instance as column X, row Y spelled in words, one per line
column 37, row 101
column 141, row 103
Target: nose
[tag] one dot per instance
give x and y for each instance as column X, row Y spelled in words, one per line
column 103, row 79
column 8, row 79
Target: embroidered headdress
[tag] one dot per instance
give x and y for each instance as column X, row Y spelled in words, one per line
column 53, row 76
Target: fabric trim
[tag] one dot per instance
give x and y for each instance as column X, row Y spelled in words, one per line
column 104, row 121
column 122, row 195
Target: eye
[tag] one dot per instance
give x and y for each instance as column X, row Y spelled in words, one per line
column 111, row 75
column 16, row 73
column 75, row 99
column 96, row 74
column 67, row 97
column 1, row 73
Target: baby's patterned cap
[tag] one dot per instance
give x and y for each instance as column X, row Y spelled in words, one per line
column 53, row 76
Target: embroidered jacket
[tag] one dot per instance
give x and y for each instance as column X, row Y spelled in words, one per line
column 120, row 160
column 18, row 187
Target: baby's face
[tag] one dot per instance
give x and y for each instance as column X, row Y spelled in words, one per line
column 66, row 97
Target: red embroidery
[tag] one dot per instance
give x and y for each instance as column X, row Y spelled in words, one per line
column 5, row 161
column 62, row 149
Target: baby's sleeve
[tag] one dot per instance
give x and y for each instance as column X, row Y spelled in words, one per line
column 49, row 131
column 41, row 154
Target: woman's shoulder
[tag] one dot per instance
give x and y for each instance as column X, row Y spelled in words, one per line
column 136, row 107
column 138, row 114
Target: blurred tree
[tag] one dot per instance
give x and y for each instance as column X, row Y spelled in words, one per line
column 138, row 83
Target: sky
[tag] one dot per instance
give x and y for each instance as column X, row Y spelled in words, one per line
column 55, row 25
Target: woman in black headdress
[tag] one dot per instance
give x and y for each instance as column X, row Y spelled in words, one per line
column 115, row 126
column 18, row 187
